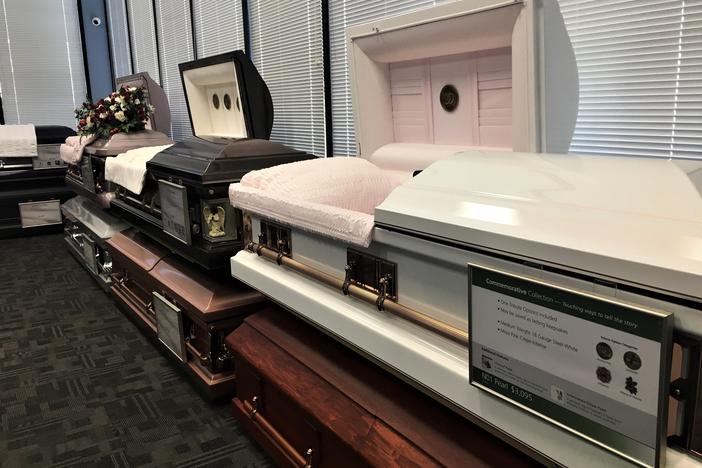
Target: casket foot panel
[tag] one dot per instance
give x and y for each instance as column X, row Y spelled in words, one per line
column 33, row 210
column 212, row 386
column 311, row 402
column 184, row 310
column 103, row 282
column 87, row 228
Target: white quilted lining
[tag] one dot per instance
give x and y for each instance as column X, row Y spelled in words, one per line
column 334, row 197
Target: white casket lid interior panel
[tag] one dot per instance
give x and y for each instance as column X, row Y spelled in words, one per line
column 227, row 97
column 461, row 73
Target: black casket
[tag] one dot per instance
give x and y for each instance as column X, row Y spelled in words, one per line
column 32, row 187
column 184, row 203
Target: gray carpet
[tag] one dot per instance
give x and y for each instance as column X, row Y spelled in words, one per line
column 80, row 385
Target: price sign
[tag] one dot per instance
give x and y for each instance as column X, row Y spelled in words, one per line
column 590, row 364
column 174, row 210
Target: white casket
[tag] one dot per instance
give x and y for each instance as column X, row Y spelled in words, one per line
column 395, row 283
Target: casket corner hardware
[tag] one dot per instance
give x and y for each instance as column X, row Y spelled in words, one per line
column 282, row 248
column 680, row 389
column 308, row 458
column 261, row 244
column 254, row 406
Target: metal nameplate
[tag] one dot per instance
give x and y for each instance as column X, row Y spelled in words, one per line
column 595, row 366
column 169, row 326
column 44, row 213
column 86, row 173
column 175, row 215
column 89, row 253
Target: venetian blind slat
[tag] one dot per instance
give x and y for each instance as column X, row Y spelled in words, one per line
column 119, row 37
column 219, row 26
column 639, row 65
column 287, row 49
column 45, row 33
column 175, row 45
column 142, row 25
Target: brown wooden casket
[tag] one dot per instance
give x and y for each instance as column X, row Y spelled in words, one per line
column 310, row 401
column 188, row 312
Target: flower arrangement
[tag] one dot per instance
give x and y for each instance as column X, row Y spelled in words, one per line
column 123, row 111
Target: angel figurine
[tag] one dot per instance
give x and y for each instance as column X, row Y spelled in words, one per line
column 215, row 221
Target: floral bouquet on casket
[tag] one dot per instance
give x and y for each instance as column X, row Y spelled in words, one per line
column 123, row 111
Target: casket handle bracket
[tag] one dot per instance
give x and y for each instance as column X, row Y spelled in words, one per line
column 347, row 278
column 252, row 411
column 383, row 293
column 363, row 282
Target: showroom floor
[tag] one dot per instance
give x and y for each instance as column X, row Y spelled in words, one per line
column 80, row 385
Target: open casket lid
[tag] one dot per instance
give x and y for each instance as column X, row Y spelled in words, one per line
column 160, row 120
column 227, row 97
column 465, row 73
column 594, row 213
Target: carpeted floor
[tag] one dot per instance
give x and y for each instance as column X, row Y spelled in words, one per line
column 80, row 385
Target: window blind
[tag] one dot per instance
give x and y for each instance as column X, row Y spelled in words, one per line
column 119, row 37
column 287, row 49
column 343, row 14
column 142, row 27
column 219, row 26
column 42, row 78
column 175, row 45
column 640, row 73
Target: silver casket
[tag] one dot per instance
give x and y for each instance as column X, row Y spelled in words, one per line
column 87, row 178
column 483, row 203
column 87, row 228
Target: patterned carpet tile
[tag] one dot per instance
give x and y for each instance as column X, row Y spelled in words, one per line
column 80, row 385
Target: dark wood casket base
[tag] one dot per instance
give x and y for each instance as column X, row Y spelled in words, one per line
column 210, row 307
column 308, row 400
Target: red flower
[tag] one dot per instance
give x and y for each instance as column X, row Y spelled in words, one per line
column 82, row 123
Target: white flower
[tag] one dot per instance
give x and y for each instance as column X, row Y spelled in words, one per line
column 107, row 99
column 124, row 106
column 119, row 99
column 137, row 102
column 120, row 116
column 113, row 108
column 88, row 122
column 103, row 115
column 132, row 88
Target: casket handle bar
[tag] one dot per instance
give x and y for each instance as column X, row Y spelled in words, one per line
column 121, row 282
column 255, row 416
column 686, row 388
column 201, row 357
column 379, row 300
